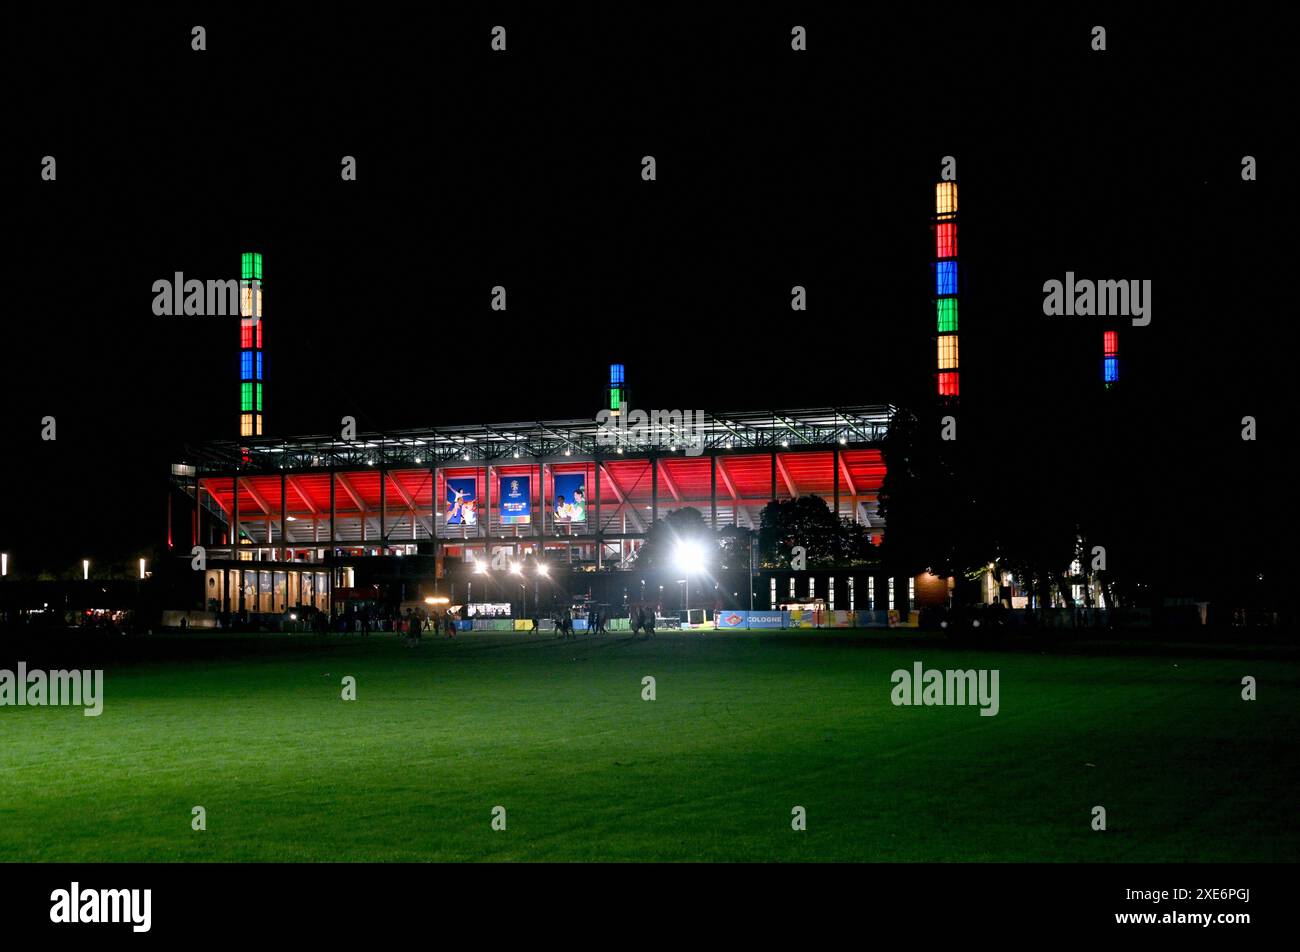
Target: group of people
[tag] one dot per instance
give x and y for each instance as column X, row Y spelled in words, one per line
column 564, row 622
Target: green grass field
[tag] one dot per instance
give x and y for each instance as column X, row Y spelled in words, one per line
column 745, row 726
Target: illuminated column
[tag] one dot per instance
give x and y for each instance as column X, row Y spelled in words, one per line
column 946, row 288
column 1110, row 358
column 617, row 389
column 250, row 344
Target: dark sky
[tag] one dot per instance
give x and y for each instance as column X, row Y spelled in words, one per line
column 522, row 169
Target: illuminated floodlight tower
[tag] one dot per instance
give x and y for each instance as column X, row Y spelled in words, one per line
column 617, row 390
column 946, row 289
column 250, row 344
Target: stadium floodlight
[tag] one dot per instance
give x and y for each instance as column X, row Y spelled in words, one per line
column 480, row 568
column 689, row 557
column 4, row 564
column 142, row 568
column 85, row 570
column 543, row 569
column 516, row 568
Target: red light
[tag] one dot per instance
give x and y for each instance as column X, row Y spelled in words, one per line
column 946, row 240
column 1110, row 343
column 948, row 384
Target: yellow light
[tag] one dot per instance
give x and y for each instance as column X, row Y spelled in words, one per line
column 246, row 424
column 437, row 600
column 142, row 568
column 948, row 352
column 945, row 199
column 85, row 569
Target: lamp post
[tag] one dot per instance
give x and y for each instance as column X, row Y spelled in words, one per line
column 85, row 570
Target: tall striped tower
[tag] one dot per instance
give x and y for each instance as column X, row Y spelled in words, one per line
column 946, row 288
column 1110, row 358
column 250, row 344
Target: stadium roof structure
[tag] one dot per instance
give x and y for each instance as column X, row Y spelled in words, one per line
column 543, row 439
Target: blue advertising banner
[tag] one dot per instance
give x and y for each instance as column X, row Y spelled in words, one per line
column 462, row 501
column 570, row 497
column 516, row 500
column 754, row 619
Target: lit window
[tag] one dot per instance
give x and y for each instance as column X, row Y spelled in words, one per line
column 945, row 277
column 911, row 594
column 246, row 334
column 246, row 424
column 771, row 594
column 891, row 594
column 1110, row 343
column 259, row 367
column 946, row 240
column 945, row 199
column 259, row 395
column 948, row 384
column 830, row 593
column 947, row 312
column 851, row 587
column 246, row 365
column 948, row 352
column 616, row 375
column 246, row 396
column 259, row 424
column 615, row 398
column 871, row 593
column 250, row 266
column 1111, row 370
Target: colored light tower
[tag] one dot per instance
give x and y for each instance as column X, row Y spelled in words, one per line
column 946, row 288
column 617, row 390
column 1110, row 358
column 250, row 344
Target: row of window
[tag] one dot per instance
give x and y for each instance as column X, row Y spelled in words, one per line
column 250, row 424
column 830, row 593
column 945, row 199
column 945, row 240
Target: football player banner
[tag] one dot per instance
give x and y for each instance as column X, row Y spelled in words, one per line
column 462, row 502
column 570, row 497
column 516, row 500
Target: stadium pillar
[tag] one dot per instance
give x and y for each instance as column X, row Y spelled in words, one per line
column 835, row 463
column 487, row 508
column 541, row 513
column 774, row 475
column 600, row 526
column 234, row 529
column 284, row 520
column 433, row 509
column 198, row 531
column 383, row 505
column 333, row 533
column 713, row 492
column 654, row 490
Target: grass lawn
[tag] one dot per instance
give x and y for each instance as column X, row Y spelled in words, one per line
column 745, row 726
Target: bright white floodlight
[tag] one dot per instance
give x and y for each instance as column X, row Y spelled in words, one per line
column 690, row 557
column 543, row 569
column 516, row 568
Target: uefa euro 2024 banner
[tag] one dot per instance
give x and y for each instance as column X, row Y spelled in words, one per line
column 516, row 500
column 570, row 497
column 462, row 501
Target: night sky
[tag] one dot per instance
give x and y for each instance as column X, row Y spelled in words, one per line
column 775, row 168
